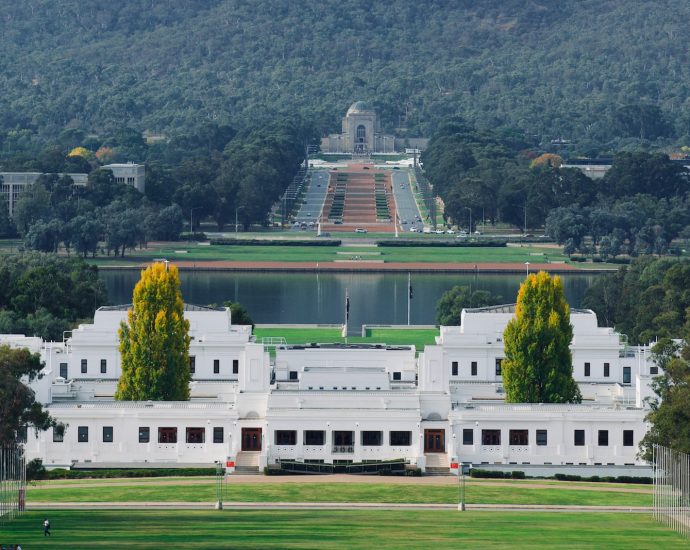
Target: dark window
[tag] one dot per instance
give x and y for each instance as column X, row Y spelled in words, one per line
column 579, row 438
column 83, row 434
column 83, row 366
column 372, row 439
column 235, row 366
column 397, row 375
column 107, row 434
column 192, row 364
column 293, row 375
column 518, row 437
column 104, row 366
column 607, row 370
column 63, row 370
column 474, row 368
column 196, row 435
column 499, row 362
column 603, row 438
column 652, row 370
column 542, row 438
column 628, row 438
column 587, row 369
column 626, row 375
column 401, row 438
column 57, row 436
column 167, row 435
column 286, row 437
column 314, row 437
column 491, row 437
column 454, row 368
column 144, row 434
column 216, row 366
column 218, row 434
column 343, row 438
column 468, row 436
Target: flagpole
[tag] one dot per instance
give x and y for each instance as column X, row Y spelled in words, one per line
column 409, row 296
column 347, row 315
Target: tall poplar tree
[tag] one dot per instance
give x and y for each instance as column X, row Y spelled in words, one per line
column 538, row 367
column 154, row 343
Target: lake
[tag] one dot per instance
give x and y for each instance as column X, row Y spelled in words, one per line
column 309, row 298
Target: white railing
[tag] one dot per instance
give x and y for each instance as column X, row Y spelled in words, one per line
column 672, row 489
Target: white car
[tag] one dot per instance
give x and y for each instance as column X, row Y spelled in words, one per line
column 462, row 234
column 413, row 229
column 450, row 232
column 439, row 231
column 361, row 230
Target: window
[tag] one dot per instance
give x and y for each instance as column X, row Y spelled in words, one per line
column 218, row 434
column 498, row 366
column 652, row 370
column 196, row 435
column 626, row 375
column 343, row 438
column 235, row 366
column 192, row 364
column 63, row 370
column 628, row 438
column 286, row 437
column 468, row 436
column 83, row 434
column 314, row 437
column 542, row 438
column 83, row 366
column 167, row 435
column 607, row 370
column 587, row 369
column 293, row 375
column 579, row 438
column 473, row 368
column 454, row 368
column 397, row 375
column 104, row 366
column 57, row 436
column 518, row 437
column 603, row 439
column 491, row 437
column 107, row 434
column 216, row 366
column 401, row 438
column 372, row 439
column 144, row 434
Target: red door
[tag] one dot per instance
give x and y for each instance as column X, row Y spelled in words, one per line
column 251, row 439
column 434, row 441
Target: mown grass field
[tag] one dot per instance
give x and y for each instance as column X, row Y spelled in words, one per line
column 395, row 337
column 326, row 529
column 236, row 491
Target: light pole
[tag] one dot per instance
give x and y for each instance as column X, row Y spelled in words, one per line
column 191, row 220
column 219, row 485
column 461, row 504
column 237, row 210
column 527, row 268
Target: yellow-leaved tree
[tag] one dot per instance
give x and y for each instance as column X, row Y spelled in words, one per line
column 538, row 367
column 154, row 342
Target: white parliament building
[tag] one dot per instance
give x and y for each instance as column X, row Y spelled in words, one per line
column 339, row 403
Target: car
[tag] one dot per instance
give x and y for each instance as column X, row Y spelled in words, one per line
column 366, row 167
column 413, row 229
column 477, row 232
column 404, row 222
column 361, row 230
column 461, row 234
column 426, row 230
column 402, row 186
column 338, row 222
column 439, row 231
column 308, row 214
column 450, row 232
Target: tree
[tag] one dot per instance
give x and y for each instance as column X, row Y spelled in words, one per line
column 453, row 301
column 538, row 367
column 18, row 406
column 154, row 342
column 239, row 314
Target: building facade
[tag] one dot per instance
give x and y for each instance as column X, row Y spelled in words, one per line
column 130, row 174
column 336, row 403
column 13, row 184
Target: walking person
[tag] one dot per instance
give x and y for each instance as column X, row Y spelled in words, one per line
column 46, row 528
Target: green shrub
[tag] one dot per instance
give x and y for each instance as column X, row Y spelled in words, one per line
column 270, row 242
column 517, row 475
column 488, row 474
column 61, row 473
column 35, row 469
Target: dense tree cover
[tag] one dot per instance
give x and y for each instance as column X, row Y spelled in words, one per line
column 538, row 367
column 44, row 295
column 154, row 342
column 239, row 314
column 18, row 407
column 647, row 300
column 452, row 302
column 587, row 70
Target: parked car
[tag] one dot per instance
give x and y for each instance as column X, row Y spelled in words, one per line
column 462, row 234
column 361, row 230
column 450, row 232
column 413, row 229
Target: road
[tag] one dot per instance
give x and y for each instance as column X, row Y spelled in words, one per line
column 408, row 213
column 314, row 197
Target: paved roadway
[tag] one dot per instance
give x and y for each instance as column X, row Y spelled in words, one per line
column 314, row 197
column 408, row 213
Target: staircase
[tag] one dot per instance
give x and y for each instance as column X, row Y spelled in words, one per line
column 437, row 465
column 247, row 463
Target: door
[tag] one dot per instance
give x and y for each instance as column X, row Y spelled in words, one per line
column 434, row 441
column 251, row 439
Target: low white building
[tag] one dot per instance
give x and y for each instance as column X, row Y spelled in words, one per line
column 130, row 174
column 338, row 403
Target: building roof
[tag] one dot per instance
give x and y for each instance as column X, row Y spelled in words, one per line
column 510, row 308
column 187, row 307
column 359, row 107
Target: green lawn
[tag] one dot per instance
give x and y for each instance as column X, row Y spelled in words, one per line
column 325, row 529
column 418, row 337
column 236, row 491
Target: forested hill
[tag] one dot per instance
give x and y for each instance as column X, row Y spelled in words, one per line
column 578, row 69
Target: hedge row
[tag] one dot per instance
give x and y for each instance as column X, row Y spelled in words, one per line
column 605, row 479
column 445, row 244
column 61, row 473
column 269, row 242
column 496, row 474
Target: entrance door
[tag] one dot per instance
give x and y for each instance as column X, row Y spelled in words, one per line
column 434, row 441
column 251, row 439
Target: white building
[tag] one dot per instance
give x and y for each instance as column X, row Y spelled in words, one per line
column 336, row 403
column 13, row 184
column 130, row 174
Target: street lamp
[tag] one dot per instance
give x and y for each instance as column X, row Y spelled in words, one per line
column 527, row 267
column 237, row 210
column 191, row 220
column 219, row 485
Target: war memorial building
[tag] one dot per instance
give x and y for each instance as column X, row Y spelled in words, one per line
column 335, row 403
